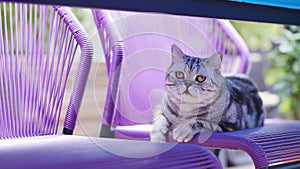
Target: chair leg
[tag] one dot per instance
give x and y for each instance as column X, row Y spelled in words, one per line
column 216, row 152
column 106, row 132
column 67, row 131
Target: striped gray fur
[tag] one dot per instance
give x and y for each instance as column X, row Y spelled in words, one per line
column 217, row 103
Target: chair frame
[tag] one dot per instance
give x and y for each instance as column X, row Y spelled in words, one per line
column 83, row 70
column 68, row 23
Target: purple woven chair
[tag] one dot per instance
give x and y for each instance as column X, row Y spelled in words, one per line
column 137, row 50
column 38, row 44
column 78, row 152
column 133, row 51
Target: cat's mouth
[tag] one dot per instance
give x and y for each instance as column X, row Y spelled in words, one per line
column 186, row 92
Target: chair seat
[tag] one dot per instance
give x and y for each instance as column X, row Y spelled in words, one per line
column 278, row 142
column 87, row 152
column 135, row 132
column 142, row 131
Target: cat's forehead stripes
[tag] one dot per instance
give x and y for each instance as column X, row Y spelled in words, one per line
column 193, row 62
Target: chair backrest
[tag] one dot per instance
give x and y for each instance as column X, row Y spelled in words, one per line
column 38, row 44
column 137, row 48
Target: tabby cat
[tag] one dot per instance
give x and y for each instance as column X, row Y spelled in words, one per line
column 200, row 99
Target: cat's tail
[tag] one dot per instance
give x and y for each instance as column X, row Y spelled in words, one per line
column 258, row 104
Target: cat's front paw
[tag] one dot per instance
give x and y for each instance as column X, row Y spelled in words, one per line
column 158, row 137
column 184, row 133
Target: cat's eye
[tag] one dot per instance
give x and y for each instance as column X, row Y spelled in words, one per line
column 179, row 75
column 200, row 78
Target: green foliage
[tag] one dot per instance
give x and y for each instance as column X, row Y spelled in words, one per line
column 284, row 72
column 85, row 17
column 283, row 46
column 29, row 17
column 258, row 36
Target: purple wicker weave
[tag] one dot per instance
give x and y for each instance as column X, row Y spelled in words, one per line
column 277, row 143
column 77, row 152
column 38, row 45
column 136, row 46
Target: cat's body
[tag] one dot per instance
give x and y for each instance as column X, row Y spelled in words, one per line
column 199, row 99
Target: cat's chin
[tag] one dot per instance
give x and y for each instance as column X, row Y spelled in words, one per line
column 189, row 98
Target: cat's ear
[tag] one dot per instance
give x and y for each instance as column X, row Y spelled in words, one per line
column 215, row 61
column 177, row 54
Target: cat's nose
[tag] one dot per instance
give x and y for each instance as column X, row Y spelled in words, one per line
column 188, row 85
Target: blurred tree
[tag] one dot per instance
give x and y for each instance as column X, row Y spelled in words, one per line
column 258, row 36
column 281, row 45
column 85, row 16
column 284, row 72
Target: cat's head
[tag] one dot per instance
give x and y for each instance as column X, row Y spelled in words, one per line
column 193, row 79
